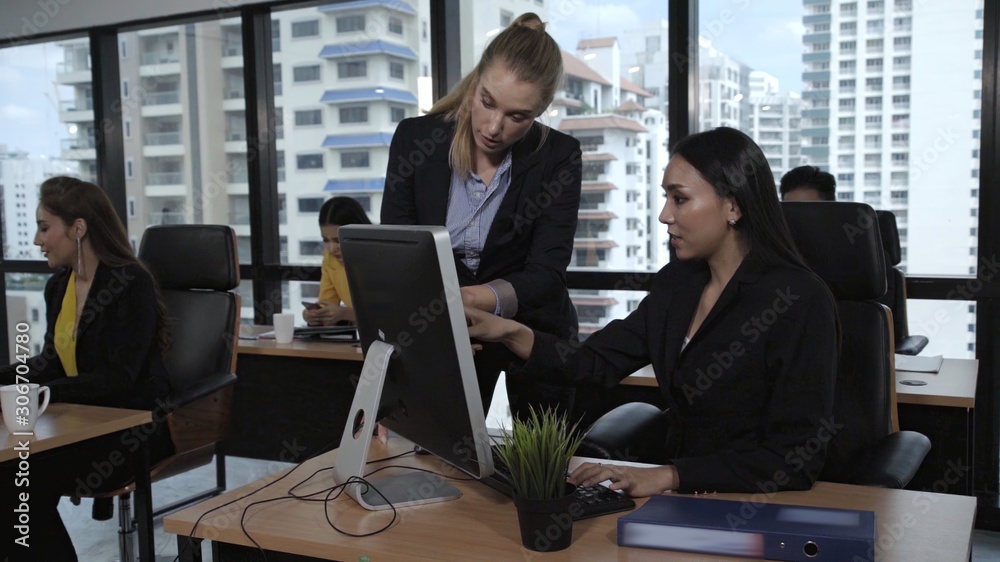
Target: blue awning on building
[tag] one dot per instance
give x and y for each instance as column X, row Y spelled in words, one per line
column 355, row 186
column 396, row 5
column 357, row 141
column 353, row 49
column 368, row 94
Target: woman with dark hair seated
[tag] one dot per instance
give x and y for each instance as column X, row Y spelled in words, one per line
column 104, row 345
column 742, row 336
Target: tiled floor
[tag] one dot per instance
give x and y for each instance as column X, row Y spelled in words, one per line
column 97, row 541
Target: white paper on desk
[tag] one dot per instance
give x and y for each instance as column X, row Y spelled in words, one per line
column 919, row 363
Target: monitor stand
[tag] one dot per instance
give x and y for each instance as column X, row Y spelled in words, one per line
column 411, row 488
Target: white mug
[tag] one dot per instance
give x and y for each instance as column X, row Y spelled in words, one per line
column 284, row 327
column 20, row 405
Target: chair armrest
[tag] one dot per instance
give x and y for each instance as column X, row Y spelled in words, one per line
column 619, row 433
column 911, row 345
column 893, row 461
column 202, row 389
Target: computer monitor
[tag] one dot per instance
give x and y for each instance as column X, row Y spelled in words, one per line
column 418, row 379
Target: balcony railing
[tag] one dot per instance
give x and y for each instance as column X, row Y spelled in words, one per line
column 161, row 98
column 73, row 66
column 172, row 217
column 235, row 94
column 239, row 217
column 239, row 176
column 164, row 178
column 236, row 136
column 78, row 143
column 160, row 139
column 232, row 50
column 159, row 58
column 86, row 104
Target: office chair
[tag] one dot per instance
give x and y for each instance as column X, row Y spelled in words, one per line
column 196, row 268
column 868, row 450
column 895, row 296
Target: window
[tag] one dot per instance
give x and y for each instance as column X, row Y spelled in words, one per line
column 310, row 204
column 127, row 123
column 396, row 70
column 306, row 73
column 305, row 28
column 507, row 17
column 395, row 25
column 308, row 117
column 353, row 69
column 347, row 24
column 129, row 172
column 354, row 159
column 397, row 114
column 311, row 247
column 357, row 114
column 309, row 162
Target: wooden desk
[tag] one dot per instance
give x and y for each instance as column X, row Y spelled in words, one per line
column 943, row 411
column 954, row 386
column 66, row 424
column 292, row 399
column 482, row 525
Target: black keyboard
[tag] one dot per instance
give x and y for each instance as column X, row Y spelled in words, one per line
column 592, row 501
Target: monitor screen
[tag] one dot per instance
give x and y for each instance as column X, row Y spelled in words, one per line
column 418, row 356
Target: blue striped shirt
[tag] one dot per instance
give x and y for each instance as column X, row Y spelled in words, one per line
column 472, row 206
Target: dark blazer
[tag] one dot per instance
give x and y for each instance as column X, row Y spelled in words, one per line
column 530, row 243
column 118, row 357
column 751, row 396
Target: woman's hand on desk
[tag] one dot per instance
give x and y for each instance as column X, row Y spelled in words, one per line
column 328, row 314
column 637, row 482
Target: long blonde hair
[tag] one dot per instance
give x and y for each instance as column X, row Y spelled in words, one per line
column 530, row 54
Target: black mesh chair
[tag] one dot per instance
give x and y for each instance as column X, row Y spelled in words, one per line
column 841, row 244
column 895, row 295
column 197, row 269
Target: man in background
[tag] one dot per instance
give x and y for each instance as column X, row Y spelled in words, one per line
column 808, row 183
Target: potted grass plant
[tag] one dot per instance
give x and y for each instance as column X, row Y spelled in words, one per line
column 537, row 452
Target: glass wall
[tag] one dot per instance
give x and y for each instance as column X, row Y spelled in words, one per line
column 834, row 85
column 46, row 129
column 345, row 75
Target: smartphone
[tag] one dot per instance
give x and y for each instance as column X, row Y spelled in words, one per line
column 311, row 305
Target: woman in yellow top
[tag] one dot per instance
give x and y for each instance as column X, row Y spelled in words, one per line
column 334, row 304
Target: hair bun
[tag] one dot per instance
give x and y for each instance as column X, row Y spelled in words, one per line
column 529, row 20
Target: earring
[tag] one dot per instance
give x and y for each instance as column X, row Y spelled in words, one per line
column 732, row 222
column 79, row 257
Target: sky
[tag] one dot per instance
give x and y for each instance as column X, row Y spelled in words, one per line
column 29, row 99
column 765, row 35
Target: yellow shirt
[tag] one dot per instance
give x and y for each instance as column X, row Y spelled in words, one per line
column 333, row 281
column 65, row 339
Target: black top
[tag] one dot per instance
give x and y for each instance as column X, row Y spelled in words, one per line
column 750, row 397
column 118, row 356
column 530, row 242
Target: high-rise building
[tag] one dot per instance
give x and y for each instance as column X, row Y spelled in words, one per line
column 624, row 152
column 892, row 108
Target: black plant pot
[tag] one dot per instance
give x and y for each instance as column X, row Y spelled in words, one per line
column 546, row 525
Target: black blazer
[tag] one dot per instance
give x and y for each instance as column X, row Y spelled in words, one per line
column 118, row 357
column 751, row 396
column 530, row 243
